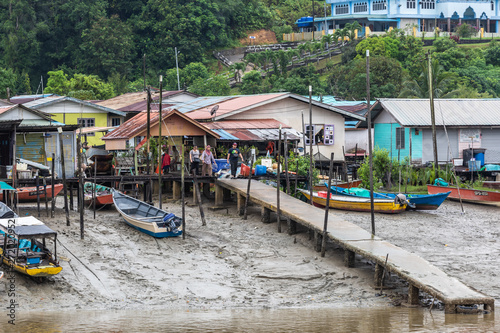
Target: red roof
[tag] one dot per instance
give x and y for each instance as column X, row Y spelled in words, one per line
column 236, row 104
column 246, row 124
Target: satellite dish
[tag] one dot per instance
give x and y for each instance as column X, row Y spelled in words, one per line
column 214, row 109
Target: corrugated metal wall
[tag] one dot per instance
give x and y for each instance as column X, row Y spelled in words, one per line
column 490, row 140
column 442, row 145
column 52, row 146
column 30, row 146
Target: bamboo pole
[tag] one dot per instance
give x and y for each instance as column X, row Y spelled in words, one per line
column 159, row 146
column 433, row 117
column 94, row 194
column 53, row 203
column 65, row 186
column 310, row 147
column 327, row 207
column 183, row 203
column 248, row 189
column 46, row 196
column 80, row 186
column 37, row 184
column 370, row 153
column 198, row 197
column 278, row 180
column 287, row 177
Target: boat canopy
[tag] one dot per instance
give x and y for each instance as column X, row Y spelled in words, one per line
column 27, row 227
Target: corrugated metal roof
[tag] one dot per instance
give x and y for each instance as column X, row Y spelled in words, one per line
column 230, row 104
column 246, row 124
column 264, row 134
column 201, row 102
column 7, row 108
column 451, row 112
column 136, row 101
column 225, row 135
column 327, row 99
column 57, row 99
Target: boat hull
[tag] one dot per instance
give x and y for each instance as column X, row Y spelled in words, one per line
column 148, row 223
column 418, row 201
column 468, row 195
column 28, row 194
column 100, row 200
column 40, row 271
column 357, row 204
column 353, row 183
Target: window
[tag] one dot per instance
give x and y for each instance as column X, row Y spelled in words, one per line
column 411, row 4
column 323, row 134
column 400, row 138
column 115, row 121
column 360, row 7
column 427, row 4
column 86, row 122
column 341, row 9
column 379, row 5
column 308, row 134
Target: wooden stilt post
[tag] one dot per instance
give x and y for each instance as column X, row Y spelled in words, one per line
column 160, row 199
column 248, row 189
column 71, row 199
column 95, row 185
column 327, row 207
column 349, row 257
column 278, row 183
column 413, row 295
column 265, row 214
column 80, row 186
column 311, row 157
column 37, row 184
column 53, row 201
column 183, row 203
column 63, row 171
column 46, row 196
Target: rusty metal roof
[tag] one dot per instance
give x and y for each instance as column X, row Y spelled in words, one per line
column 450, row 112
column 136, row 101
column 246, row 124
column 138, row 124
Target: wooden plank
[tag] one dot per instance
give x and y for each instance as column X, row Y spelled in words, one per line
column 417, row 271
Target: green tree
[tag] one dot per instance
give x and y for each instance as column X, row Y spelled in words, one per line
column 251, row 83
column 8, row 79
column 443, row 44
column 465, row 30
column 351, row 29
column 107, row 48
column 216, row 85
column 492, row 54
column 57, row 83
column 420, row 88
column 238, row 69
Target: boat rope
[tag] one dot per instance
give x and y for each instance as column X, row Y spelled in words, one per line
column 87, row 267
column 450, row 155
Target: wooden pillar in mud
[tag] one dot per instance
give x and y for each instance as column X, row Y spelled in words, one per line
column 176, row 190
column 448, row 308
column 226, row 194
column 349, row 257
column 379, row 270
column 206, row 190
column 318, row 239
column 413, row 295
column 489, row 307
column 292, row 227
column 240, row 203
column 265, row 214
column 219, row 195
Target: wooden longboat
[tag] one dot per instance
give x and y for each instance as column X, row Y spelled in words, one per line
column 28, row 194
column 358, row 204
column 349, row 184
column 103, row 195
column 417, row 201
column 467, row 195
column 23, row 246
column 146, row 218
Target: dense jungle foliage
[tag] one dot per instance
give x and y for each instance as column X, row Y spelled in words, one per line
column 95, row 49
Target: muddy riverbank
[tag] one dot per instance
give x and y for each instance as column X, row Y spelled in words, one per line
column 232, row 263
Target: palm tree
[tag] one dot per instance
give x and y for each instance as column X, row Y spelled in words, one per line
column 269, row 57
column 351, row 28
column 327, row 40
column 302, row 50
column 284, row 59
column 239, row 69
column 420, row 88
column 251, row 58
column 293, row 53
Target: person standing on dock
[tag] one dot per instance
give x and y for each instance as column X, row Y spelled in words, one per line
column 232, row 158
column 194, row 158
column 165, row 162
column 207, row 158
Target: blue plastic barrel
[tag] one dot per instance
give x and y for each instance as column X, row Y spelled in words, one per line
column 260, row 170
column 221, row 164
column 479, row 157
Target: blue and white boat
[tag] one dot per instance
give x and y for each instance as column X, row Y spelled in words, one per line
column 417, row 201
column 146, row 218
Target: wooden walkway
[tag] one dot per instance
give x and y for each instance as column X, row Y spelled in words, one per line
column 420, row 274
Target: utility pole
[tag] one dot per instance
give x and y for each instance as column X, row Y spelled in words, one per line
column 310, row 146
column 144, row 69
column 148, row 129
column 313, row 29
column 159, row 143
column 370, row 152
column 433, row 117
column 177, row 66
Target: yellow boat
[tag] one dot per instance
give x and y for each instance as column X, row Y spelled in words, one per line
column 23, row 246
column 358, row 204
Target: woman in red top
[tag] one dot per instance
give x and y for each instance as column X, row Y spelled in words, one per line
column 165, row 163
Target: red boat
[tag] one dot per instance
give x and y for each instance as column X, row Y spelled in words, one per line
column 103, row 195
column 467, row 195
column 28, row 194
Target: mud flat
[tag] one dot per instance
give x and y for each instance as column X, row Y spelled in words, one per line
column 232, row 263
